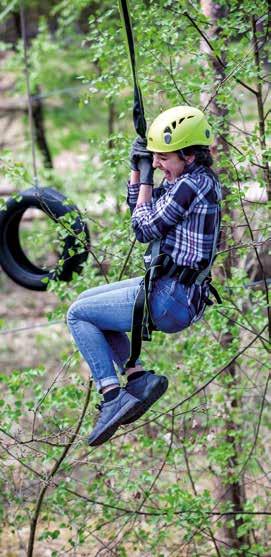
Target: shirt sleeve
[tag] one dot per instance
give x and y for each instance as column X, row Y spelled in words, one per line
column 133, row 191
column 132, row 195
column 154, row 219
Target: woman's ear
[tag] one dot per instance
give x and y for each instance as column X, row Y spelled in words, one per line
column 189, row 159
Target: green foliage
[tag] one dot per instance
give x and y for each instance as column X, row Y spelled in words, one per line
column 169, row 468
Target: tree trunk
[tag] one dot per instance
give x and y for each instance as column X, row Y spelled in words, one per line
column 38, row 119
column 37, row 105
column 233, row 493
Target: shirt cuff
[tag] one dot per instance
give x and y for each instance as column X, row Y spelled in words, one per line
column 133, row 191
column 147, row 205
column 133, row 188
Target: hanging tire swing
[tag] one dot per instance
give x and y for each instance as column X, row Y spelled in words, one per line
column 74, row 232
column 14, row 260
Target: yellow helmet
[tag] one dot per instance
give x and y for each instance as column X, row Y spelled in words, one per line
column 177, row 128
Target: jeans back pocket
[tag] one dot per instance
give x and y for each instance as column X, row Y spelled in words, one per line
column 169, row 306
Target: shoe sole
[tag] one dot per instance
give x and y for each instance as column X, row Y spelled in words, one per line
column 157, row 392
column 109, row 431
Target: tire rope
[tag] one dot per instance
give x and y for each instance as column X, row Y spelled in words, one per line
column 29, row 97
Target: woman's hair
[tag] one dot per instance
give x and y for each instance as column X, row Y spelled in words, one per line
column 201, row 152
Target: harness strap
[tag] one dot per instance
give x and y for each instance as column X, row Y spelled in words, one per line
column 214, row 291
column 137, row 320
column 138, row 110
column 142, row 325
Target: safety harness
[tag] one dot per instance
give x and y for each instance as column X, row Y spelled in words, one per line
column 157, row 264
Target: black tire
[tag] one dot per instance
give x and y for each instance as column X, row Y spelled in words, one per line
column 12, row 258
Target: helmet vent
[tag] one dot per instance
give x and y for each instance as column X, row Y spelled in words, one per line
column 193, row 116
column 174, row 125
column 181, row 120
column 167, row 135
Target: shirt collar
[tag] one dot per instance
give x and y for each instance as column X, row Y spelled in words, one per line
column 191, row 168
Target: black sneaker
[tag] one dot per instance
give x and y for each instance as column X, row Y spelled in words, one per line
column 112, row 413
column 148, row 389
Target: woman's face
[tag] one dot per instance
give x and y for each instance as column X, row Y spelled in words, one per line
column 170, row 164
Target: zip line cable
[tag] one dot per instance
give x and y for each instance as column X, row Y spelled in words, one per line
column 30, row 327
column 56, row 92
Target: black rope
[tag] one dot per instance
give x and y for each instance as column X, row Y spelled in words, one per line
column 138, row 110
column 140, row 127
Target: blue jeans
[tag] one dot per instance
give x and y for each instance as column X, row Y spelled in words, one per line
column 100, row 318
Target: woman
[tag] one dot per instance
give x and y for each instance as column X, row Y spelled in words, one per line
column 183, row 213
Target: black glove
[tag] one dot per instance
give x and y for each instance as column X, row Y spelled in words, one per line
column 141, row 159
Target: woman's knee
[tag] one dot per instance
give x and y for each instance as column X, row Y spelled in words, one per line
column 85, row 294
column 72, row 315
column 80, row 310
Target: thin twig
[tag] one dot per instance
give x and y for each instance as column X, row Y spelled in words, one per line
column 34, row 520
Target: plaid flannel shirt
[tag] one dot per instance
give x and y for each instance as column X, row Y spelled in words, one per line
column 183, row 215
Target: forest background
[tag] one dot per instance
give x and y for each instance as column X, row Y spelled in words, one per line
column 193, row 478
